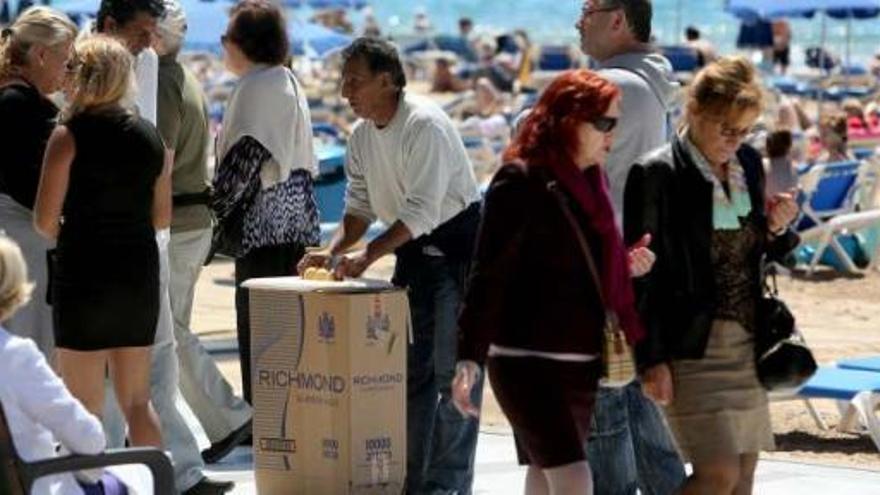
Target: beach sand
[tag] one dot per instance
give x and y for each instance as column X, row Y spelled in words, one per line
column 837, row 315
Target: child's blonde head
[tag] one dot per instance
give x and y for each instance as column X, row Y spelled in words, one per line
column 15, row 290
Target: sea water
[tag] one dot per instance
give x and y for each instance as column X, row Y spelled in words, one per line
column 553, row 21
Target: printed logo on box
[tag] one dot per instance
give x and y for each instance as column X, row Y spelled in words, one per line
column 378, row 323
column 330, row 448
column 301, row 380
column 326, row 328
column 379, row 457
column 287, row 445
column 375, row 382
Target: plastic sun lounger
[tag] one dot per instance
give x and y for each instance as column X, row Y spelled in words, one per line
column 870, row 363
column 856, row 392
column 829, row 208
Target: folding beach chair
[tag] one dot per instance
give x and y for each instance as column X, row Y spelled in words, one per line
column 857, row 395
column 20, row 475
column 828, row 208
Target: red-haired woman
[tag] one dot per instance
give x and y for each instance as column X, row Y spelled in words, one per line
column 533, row 312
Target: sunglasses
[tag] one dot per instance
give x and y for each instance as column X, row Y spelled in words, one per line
column 604, row 123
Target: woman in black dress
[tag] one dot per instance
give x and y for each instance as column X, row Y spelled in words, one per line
column 102, row 190
column 34, row 51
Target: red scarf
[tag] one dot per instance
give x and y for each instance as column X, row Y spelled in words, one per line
column 590, row 189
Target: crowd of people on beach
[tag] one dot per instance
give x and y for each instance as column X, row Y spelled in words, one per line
column 618, row 196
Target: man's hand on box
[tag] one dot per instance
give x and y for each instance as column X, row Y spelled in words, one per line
column 351, row 266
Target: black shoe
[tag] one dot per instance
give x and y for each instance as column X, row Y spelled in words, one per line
column 220, row 449
column 248, row 441
column 207, row 486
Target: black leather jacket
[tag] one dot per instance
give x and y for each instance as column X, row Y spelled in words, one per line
column 668, row 197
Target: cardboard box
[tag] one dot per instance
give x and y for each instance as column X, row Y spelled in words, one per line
column 329, row 386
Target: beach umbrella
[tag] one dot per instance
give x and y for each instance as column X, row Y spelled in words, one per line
column 838, row 9
column 205, row 23
column 77, row 7
column 337, row 4
column 207, row 20
column 314, row 40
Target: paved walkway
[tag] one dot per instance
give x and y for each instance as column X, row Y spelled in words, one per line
column 497, row 471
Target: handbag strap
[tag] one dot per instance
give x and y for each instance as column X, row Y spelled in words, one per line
column 553, row 187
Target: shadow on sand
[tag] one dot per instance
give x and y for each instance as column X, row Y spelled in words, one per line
column 840, row 443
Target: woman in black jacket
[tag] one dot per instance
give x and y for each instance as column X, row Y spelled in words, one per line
column 34, row 55
column 702, row 200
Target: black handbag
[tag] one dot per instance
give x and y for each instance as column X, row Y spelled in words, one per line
column 782, row 358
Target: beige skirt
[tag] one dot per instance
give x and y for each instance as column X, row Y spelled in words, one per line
column 719, row 408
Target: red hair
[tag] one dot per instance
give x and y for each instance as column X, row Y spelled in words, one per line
column 549, row 132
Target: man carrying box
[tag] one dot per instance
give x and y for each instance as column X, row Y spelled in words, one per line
column 407, row 166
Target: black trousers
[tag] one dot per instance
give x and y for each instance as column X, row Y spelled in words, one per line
column 269, row 261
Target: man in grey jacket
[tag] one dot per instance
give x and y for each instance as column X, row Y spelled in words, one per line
column 630, row 446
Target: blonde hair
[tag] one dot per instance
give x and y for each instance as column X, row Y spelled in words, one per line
column 103, row 75
column 40, row 25
column 15, row 290
column 728, row 88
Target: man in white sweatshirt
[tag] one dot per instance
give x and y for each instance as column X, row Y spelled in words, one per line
column 407, row 166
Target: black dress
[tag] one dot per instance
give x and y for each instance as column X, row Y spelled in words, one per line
column 106, row 279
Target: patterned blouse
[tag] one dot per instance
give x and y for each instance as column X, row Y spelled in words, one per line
column 286, row 213
column 733, row 239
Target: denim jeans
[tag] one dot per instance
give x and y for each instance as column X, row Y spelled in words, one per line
column 177, row 438
column 207, row 392
column 441, row 443
column 630, row 445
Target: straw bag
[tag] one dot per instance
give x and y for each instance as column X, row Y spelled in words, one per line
column 619, row 368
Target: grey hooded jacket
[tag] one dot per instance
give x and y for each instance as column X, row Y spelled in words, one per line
column 649, row 98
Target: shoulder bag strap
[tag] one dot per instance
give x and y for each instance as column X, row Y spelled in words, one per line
column 553, row 187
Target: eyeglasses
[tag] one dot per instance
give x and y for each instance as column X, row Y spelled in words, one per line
column 734, row 133
column 604, row 123
column 588, row 12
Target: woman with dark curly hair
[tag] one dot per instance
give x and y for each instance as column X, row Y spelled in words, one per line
column 264, row 196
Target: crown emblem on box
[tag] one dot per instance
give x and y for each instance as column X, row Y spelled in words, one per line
column 326, row 327
column 378, row 321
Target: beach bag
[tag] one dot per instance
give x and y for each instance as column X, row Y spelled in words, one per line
column 782, row 358
column 619, row 366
